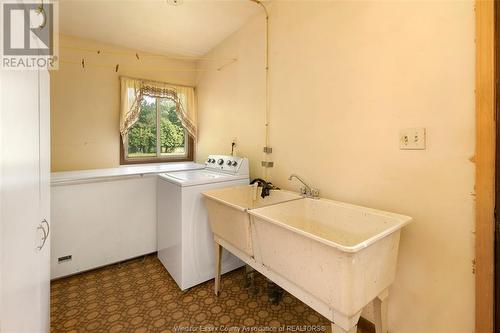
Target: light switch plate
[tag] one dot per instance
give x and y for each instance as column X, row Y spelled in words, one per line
column 412, row 138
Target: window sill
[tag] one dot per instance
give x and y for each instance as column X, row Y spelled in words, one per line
column 154, row 160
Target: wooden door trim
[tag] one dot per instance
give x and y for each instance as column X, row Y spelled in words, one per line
column 485, row 164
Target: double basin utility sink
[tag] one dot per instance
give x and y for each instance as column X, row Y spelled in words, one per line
column 335, row 257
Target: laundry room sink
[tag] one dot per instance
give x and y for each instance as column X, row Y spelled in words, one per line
column 349, row 251
column 227, row 211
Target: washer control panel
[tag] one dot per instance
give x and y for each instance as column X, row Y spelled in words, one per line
column 233, row 164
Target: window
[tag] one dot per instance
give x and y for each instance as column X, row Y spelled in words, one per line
column 158, row 134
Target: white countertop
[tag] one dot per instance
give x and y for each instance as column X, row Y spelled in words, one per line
column 84, row 176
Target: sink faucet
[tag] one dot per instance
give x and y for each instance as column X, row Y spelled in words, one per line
column 306, row 191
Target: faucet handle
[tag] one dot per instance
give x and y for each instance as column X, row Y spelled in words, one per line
column 303, row 191
column 309, row 193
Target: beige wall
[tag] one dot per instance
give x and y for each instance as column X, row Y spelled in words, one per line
column 346, row 77
column 85, row 102
column 231, row 97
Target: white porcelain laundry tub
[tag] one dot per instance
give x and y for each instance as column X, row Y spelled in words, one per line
column 227, row 212
column 335, row 257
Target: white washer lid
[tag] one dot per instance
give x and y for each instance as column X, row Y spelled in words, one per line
column 197, row 177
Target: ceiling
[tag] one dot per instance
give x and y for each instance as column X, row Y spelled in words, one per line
column 190, row 29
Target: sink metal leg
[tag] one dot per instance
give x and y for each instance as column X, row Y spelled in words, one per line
column 380, row 309
column 218, row 257
column 344, row 324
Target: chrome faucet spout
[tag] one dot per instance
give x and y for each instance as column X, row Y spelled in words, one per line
column 292, row 176
column 307, row 191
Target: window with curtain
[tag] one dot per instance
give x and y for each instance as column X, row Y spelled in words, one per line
column 157, row 122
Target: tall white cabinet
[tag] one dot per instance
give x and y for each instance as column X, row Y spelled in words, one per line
column 24, row 201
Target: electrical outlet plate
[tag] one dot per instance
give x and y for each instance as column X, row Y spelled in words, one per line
column 412, row 138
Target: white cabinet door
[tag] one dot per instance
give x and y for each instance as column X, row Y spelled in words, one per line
column 44, row 156
column 23, row 267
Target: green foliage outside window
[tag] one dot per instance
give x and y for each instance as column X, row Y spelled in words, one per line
column 172, row 133
column 142, row 137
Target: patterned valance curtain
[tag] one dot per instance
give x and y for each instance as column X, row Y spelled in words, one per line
column 134, row 90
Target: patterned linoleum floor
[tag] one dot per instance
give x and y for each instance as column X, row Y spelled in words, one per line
column 140, row 296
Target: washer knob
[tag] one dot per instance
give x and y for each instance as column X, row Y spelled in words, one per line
column 220, row 161
column 228, row 163
column 235, row 163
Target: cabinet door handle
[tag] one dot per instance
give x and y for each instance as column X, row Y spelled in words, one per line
column 45, row 233
column 48, row 226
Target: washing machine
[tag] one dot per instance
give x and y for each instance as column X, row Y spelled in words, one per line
column 185, row 241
